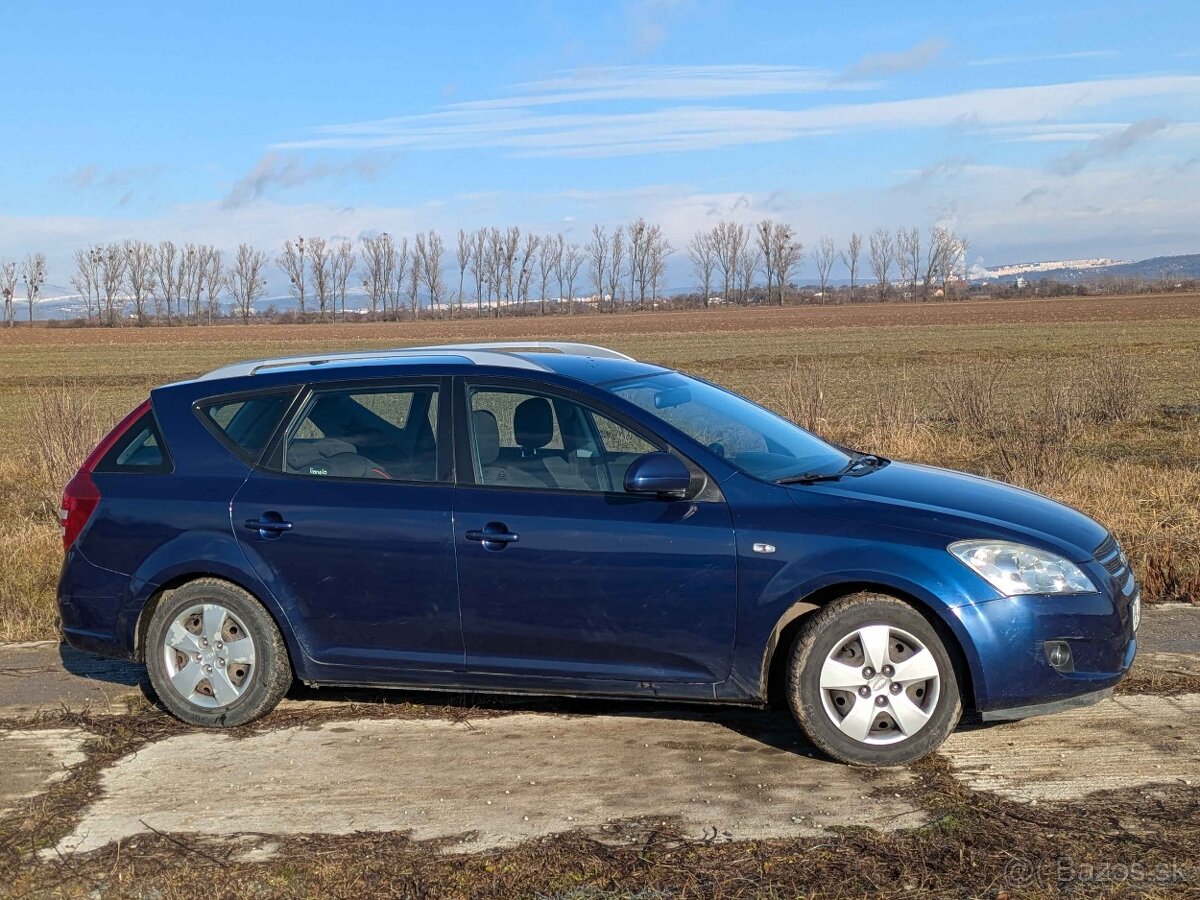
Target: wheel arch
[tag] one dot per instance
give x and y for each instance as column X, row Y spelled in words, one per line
column 156, row 593
column 772, row 677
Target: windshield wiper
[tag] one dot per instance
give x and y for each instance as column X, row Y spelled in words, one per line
column 864, row 461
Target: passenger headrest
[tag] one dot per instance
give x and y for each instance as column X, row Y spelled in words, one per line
column 533, row 423
column 302, row 452
column 487, row 436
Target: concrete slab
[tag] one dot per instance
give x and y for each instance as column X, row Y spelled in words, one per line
column 30, row 761
column 505, row 779
column 1129, row 741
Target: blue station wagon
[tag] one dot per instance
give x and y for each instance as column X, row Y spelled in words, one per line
column 558, row 518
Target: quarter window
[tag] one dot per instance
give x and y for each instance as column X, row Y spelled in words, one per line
column 140, row 449
column 378, row 434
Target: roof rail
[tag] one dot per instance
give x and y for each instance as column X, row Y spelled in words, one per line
column 566, row 347
column 503, row 355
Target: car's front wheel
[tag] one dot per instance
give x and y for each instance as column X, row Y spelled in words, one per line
column 215, row 656
column 871, row 682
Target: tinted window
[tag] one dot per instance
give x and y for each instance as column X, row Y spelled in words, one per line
column 526, row 440
column 139, row 449
column 246, row 423
column 380, row 434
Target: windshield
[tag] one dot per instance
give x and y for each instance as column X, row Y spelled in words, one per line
column 752, row 438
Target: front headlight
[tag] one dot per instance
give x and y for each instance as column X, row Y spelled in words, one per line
column 1014, row 569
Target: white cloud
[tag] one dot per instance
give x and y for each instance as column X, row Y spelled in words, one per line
column 1043, row 57
column 535, row 132
column 913, row 59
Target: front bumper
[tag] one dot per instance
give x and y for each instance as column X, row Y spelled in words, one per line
column 1005, row 640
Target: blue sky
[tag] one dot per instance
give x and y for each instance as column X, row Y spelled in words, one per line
column 1036, row 134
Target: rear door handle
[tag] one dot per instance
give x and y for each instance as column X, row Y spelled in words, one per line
column 493, row 536
column 268, row 526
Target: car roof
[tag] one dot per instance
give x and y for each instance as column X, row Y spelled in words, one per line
column 585, row 362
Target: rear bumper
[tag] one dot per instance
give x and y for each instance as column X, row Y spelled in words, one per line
column 1004, row 641
column 90, row 599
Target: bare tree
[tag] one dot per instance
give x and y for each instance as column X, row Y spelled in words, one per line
column 480, row 264
column 785, row 252
column 86, row 279
column 416, row 273
column 189, row 277
column 908, row 257
column 729, row 242
column 508, row 248
column 549, row 250
column 525, row 264
column 379, row 265
column 401, row 273
column 597, row 257
column 572, row 259
column 8, row 287
column 762, row 234
column 431, row 251
column 749, row 263
column 112, row 279
column 342, row 267
column 466, row 248
column 245, row 280
column 320, row 256
column 935, row 259
column 883, row 254
column 703, row 258
column 213, row 269
column 850, row 258
column 33, row 273
column 824, row 255
column 616, row 264
column 139, row 275
column 166, row 286
column 660, row 249
column 294, row 263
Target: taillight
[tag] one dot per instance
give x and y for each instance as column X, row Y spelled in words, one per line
column 81, row 496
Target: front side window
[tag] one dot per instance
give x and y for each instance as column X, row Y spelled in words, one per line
column 529, row 440
column 747, row 435
column 389, row 435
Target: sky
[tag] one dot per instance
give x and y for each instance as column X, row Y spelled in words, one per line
column 1037, row 132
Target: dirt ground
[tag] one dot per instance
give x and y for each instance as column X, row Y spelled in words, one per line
column 87, row 757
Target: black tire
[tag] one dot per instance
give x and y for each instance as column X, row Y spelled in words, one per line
column 824, row 632
column 269, row 677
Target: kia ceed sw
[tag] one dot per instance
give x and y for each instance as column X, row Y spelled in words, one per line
column 563, row 519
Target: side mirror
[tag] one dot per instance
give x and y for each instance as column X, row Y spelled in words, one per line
column 658, row 473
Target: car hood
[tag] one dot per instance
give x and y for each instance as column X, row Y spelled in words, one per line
column 958, row 506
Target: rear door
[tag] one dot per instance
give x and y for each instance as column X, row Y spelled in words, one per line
column 562, row 573
column 348, row 522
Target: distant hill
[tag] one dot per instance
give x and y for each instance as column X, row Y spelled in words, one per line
column 1078, row 271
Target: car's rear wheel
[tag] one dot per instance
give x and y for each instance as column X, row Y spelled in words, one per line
column 871, row 682
column 215, row 656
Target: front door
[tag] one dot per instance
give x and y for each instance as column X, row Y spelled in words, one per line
column 563, row 574
column 351, row 529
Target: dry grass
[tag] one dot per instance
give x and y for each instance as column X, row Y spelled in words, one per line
column 970, row 386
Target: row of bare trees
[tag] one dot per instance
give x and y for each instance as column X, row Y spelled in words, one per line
column 31, row 272
column 496, row 268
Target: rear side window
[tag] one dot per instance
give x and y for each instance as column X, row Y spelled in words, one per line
column 245, row 424
column 139, row 449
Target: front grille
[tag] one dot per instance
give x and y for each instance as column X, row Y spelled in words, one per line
column 1110, row 555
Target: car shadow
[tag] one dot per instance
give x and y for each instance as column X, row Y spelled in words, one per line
column 100, row 668
column 772, row 727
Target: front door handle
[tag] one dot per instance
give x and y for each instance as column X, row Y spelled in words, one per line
column 493, row 536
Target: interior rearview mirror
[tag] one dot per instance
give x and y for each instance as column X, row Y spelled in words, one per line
column 658, row 473
column 676, row 396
